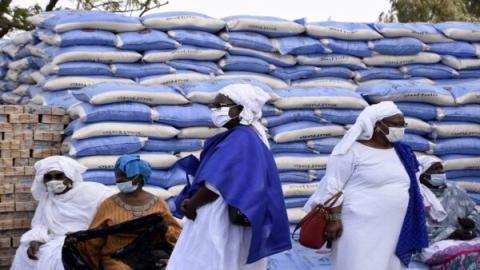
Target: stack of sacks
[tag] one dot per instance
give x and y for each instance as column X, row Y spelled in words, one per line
column 162, row 69
column 117, row 118
column 456, row 135
column 19, row 68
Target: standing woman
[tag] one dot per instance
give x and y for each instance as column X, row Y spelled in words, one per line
column 379, row 221
column 236, row 177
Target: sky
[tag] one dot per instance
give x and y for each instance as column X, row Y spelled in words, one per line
column 313, row 10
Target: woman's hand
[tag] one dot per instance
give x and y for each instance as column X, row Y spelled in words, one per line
column 333, row 231
column 188, row 209
column 33, row 250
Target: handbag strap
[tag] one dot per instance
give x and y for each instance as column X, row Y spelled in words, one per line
column 329, row 203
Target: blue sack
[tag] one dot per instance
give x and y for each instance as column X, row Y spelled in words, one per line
column 292, row 116
column 185, row 116
column 338, row 116
column 323, row 145
column 182, row 20
column 272, row 58
column 269, row 26
column 417, row 143
column 198, row 66
column 136, row 70
column 299, row 45
column 465, row 113
column 66, row 20
column 173, row 145
column 378, row 73
column 436, row 71
column 248, row 40
column 398, row 46
column 78, row 37
column 145, row 40
column 295, row 73
column 301, row 176
column 465, row 146
column 77, row 69
column 111, row 145
column 418, row 110
column 342, row 30
column 245, row 63
column 290, row 147
column 122, row 112
column 198, row 38
column 455, row 48
column 355, row 48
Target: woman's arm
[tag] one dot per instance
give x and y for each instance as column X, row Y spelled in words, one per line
column 202, row 197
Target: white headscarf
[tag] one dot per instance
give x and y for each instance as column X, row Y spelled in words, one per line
column 365, row 124
column 70, row 167
column 434, row 207
column 72, row 211
column 252, row 98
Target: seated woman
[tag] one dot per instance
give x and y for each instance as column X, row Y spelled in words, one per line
column 453, row 223
column 131, row 203
column 65, row 204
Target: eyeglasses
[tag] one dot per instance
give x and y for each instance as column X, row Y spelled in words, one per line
column 220, row 105
column 54, row 176
column 404, row 125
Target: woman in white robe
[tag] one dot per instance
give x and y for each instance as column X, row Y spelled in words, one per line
column 366, row 223
column 67, row 205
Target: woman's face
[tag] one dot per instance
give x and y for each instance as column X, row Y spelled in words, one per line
column 395, row 121
column 435, row 168
column 121, row 177
column 222, row 101
column 58, row 176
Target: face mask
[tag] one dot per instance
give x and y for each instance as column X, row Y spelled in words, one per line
column 127, row 187
column 220, row 116
column 438, row 180
column 56, row 187
column 395, row 134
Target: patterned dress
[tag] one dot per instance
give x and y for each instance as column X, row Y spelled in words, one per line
column 443, row 254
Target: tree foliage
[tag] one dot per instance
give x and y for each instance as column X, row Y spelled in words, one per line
column 14, row 17
column 431, row 11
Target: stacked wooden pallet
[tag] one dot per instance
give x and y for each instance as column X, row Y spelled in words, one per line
column 27, row 134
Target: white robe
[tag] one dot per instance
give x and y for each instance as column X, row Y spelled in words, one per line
column 55, row 216
column 212, row 242
column 375, row 186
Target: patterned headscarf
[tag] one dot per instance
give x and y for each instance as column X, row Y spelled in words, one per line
column 132, row 166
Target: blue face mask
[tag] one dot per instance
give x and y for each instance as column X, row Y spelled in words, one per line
column 437, row 180
column 127, row 187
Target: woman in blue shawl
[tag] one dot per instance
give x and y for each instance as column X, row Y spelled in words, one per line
column 234, row 204
column 379, row 221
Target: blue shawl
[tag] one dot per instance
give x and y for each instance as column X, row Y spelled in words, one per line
column 239, row 165
column 413, row 236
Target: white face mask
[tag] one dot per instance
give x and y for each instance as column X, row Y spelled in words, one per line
column 395, row 134
column 220, row 116
column 127, row 187
column 56, row 187
column 438, row 179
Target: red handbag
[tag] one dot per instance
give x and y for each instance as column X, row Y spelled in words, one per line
column 312, row 233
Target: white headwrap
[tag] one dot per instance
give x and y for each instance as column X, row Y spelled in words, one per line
column 70, row 167
column 365, row 125
column 72, row 211
column 252, row 98
column 434, row 207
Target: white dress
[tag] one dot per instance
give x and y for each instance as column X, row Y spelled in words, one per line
column 375, row 186
column 54, row 217
column 212, row 242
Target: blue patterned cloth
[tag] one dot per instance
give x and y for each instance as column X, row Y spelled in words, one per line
column 413, row 236
column 132, row 166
